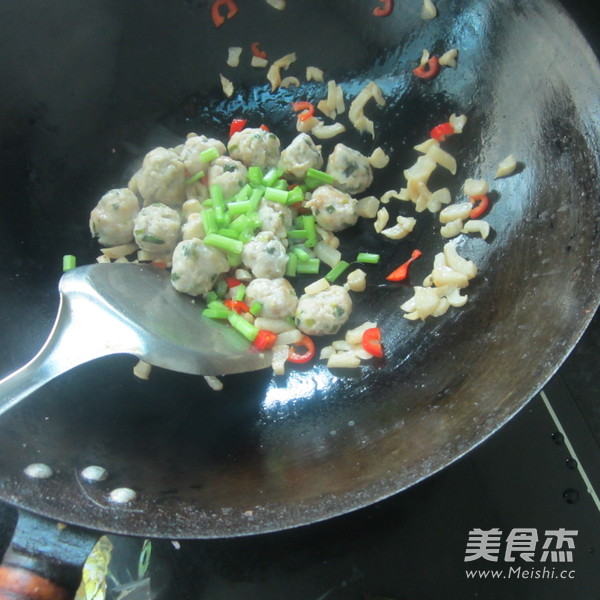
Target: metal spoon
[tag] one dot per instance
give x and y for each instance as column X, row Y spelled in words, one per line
column 130, row 308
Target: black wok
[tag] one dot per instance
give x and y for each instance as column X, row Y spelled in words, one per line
column 89, row 88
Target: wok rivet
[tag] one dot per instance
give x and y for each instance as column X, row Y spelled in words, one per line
column 38, row 471
column 122, row 495
column 94, row 473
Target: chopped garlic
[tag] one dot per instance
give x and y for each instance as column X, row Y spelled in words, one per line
column 325, row 132
column 424, row 147
column 356, row 112
column 320, row 285
column 448, row 59
column 233, row 56
column 259, row 62
column 382, row 220
column 477, row 226
column 276, row 4
column 443, row 158
column 404, row 225
column 293, row 336
column 280, row 355
column 343, row 360
column 214, row 383
column 274, row 325
column 357, row 280
column 367, row 207
column 421, row 170
column 458, row 122
column 506, row 167
column 476, row 187
column 379, row 159
column 274, row 72
column 354, row 336
column 227, row 85
column 120, row 251
column 289, row 81
column 456, row 211
column 452, row 228
column 307, row 125
column 429, row 11
column 314, row 74
column 142, row 370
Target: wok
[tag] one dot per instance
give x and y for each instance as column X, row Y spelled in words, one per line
column 95, row 86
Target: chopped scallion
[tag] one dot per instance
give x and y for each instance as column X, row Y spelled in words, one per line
column 255, row 176
column 367, row 257
column 240, row 292
column 69, row 262
column 274, row 195
column 337, row 271
column 310, row 267
column 224, row 243
column 320, row 176
column 238, row 322
column 272, row 176
column 209, row 220
column 292, row 265
column 255, row 308
column 216, row 313
column 209, row 154
column 194, row 178
column 311, row 229
column 301, row 254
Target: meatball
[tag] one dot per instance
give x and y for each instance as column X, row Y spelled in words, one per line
column 161, row 178
column 230, row 174
column 333, row 209
column 302, row 154
column 323, row 313
column 277, row 296
column 265, row 256
column 156, row 228
column 275, row 217
column 196, row 267
column 190, row 152
column 351, row 171
column 111, row 221
column 254, row 147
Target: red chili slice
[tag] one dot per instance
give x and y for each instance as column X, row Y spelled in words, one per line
column 264, row 340
column 239, row 306
column 309, row 353
column 308, row 110
column 256, row 51
column 264, row 127
column 429, row 70
column 385, row 10
column 237, row 125
column 440, row 132
column 217, row 16
column 401, row 273
column 482, row 203
column 232, row 282
column 371, row 341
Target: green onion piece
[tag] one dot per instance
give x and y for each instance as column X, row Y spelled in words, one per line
column 234, row 260
column 337, row 271
column 255, row 308
column 309, row 267
column 221, row 216
column 281, row 184
column 244, row 193
column 296, row 194
column 274, row 195
column 152, row 239
column 292, row 265
column 230, row 233
column 367, row 257
column 297, row 234
column 69, row 262
column 144, row 560
column 208, row 203
column 211, row 297
column 216, row 304
column 221, row 288
column 194, row 178
column 209, row 220
column 239, row 208
column 216, row 313
column 208, row 154
column 224, row 243
column 246, row 329
column 240, row 292
column 246, row 235
column 272, row 176
column 319, row 176
column 302, row 254
column 255, row 176
column 311, row 229
column 255, row 198
column 216, row 193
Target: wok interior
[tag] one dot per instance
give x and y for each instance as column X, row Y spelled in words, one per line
column 105, row 83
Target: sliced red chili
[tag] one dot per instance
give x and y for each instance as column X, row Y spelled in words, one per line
column 440, row 132
column 239, row 306
column 401, row 273
column 264, row 127
column 307, row 355
column 482, row 203
column 159, row 264
column 429, row 70
column 371, row 341
column 217, row 16
column 308, row 110
column 256, row 51
column 237, row 125
column 385, row 9
column 232, row 282
column 264, row 340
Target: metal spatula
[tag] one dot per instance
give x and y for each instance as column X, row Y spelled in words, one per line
column 131, row 308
